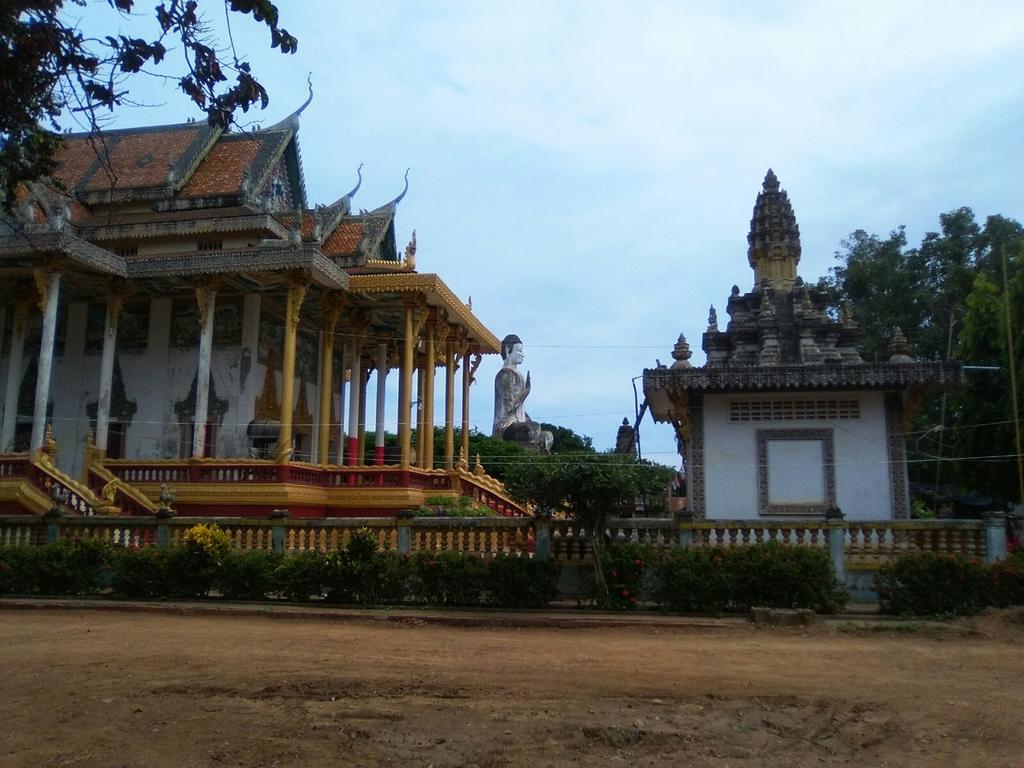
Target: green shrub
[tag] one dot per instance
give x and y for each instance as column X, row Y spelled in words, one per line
column 302, row 576
column 778, row 576
column 463, row 506
column 448, row 578
column 713, row 580
column 362, row 574
column 72, row 567
column 1006, row 581
column 693, row 580
column 194, row 566
column 929, row 583
column 140, row 573
column 625, row 569
column 248, row 575
column 519, row 582
column 18, row 566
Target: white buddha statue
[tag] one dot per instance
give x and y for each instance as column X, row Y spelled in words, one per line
column 511, row 421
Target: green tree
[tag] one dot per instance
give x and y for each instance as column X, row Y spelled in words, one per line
column 567, row 441
column 981, row 420
column 885, row 284
column 930, row 292
column 587, row 487
column 54, row 73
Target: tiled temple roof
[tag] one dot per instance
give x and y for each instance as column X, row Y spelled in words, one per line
column 156, row 158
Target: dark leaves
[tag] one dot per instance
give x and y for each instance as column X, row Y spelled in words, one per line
column 50, row 67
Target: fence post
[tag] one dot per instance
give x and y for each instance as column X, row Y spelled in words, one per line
column 837, row 542
column 403, row 524
column 542, row 535
column 163, row 514
column 995, row 537
column 163, row 530
column 277, row 517
column 52, row 518
column 684, row 532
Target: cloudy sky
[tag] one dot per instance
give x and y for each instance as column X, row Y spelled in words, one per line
column 586, row 170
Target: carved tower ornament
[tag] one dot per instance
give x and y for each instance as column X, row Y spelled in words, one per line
column 681, row 353
column 774, row 239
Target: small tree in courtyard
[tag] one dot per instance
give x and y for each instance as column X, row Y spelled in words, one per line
column 589, row 488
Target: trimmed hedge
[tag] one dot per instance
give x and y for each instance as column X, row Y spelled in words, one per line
column 715, row 580
column 704, row 580
column 929, row 584
column 358, row 574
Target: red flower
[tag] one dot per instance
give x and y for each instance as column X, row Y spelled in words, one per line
column 638, row 563
column 615, row 574
column 632, row 600
column 625, row 593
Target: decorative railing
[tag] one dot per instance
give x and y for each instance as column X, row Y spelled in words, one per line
column 14, row 465
column 867, row 544
column 108, row 487
column 78, row 498
column 871, row 544
column 739, row 533
column 481, row 488
column 485, row 537
column 117, row 531
column 21, row 530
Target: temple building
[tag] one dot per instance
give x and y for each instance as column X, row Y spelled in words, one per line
column 785, row 419
column 174, row 312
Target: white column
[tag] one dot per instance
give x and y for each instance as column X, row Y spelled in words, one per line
column 107, row 371
column 13, row 376
column 382, row 376
column 353, row 407
column 342, row 390
column 206, row 297
column 49, row 291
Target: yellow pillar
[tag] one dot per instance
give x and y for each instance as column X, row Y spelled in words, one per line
column 296, row 290
column 421, row 412
column 405, row 389
column 449, row 404
column 467, row 379
column 430, row 367
column 332, row 311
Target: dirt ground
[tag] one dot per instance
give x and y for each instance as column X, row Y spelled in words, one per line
column 88, row 688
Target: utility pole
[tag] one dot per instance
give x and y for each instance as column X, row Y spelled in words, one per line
column 1013, row 379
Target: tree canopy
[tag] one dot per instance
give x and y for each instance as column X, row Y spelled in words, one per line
column 588, row 487
column 55, row 76
column 947, row 296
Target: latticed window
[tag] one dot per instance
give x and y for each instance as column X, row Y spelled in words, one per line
column 125, row 251
column 793, row 410
column 210, row 245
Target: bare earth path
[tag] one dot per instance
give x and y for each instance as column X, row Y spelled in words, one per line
column 87, row 688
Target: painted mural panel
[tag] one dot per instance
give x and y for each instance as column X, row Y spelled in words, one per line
column 132, row 328
column 227, row 324
column 271, row 348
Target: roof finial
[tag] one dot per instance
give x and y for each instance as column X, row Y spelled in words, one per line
column 771, row 182
column 345, row 201
column 405, row 189
column 309, row 99
column 390, row 207
column 292, row 121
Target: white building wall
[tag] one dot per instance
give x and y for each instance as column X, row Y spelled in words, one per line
column 863, row 485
